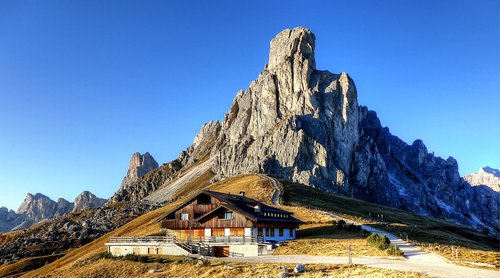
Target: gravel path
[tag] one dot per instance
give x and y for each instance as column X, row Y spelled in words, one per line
column 411, row 252
column 278, row 191
column 429, row 268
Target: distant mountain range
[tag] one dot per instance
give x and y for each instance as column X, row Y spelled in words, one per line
column 485, row 176
column 38, row 207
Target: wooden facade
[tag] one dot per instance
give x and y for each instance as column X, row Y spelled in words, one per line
column 217, row 214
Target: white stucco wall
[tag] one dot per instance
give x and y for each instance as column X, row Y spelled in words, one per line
column 122, row 249
column 245, row 250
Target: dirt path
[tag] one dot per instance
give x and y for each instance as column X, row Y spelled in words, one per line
column 278, row 191
column 411, row 252
column 429, row 268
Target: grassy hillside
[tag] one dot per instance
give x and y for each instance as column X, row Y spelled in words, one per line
column 438, row 234
column 304, row 202
column 255, row 187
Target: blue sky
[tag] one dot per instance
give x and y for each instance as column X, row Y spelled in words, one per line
column 84, row 84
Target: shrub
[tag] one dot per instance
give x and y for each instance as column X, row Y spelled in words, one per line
column 104, row 255
column 394, row 250
column 352, row 228
column 340, row 224
column 136, row 258
column 379, row 241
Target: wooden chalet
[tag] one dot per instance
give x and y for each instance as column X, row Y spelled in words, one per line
column 213, row 216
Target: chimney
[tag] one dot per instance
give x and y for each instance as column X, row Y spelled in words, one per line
column 257, row 208
column 242, row 193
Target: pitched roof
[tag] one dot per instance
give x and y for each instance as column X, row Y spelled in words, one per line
column 243, row 205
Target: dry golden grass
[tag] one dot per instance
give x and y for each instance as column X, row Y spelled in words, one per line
column 466, row 254
column 146, row 224
column 26, row 264
column 217, row 269
column 307, row 215
column 326, row 240
column 328, row 247
column 254, row 187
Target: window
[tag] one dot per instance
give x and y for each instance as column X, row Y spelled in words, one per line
column 260, row 232
column 270, row 232
column 227, row 215
column 280, row 232
column 184, row 216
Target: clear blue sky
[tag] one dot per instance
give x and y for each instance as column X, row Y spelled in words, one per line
column 84, row 84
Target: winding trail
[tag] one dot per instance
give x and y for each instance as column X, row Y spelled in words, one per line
column 411, row 252
column 278, row 190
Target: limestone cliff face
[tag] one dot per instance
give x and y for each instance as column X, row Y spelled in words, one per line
column 9, row 219
column 139, row 166
column 485, row 176
column 37, row 207
column 294, row 121
column 87, row 200
column 305, row 125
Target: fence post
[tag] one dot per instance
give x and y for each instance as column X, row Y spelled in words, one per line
column 350, row 259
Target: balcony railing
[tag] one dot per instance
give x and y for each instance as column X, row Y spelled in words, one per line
column 144, row 239
column 226, row 239
column 201, row 239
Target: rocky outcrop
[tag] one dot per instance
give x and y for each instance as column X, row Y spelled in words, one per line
column 160, row 177
column 37, row 207
column 87, row 200
column 485, row 176
column 9, row 219
column 293, row 122
column 140, row 164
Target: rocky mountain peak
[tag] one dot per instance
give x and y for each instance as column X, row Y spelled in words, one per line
column 140, row 164
column 485, row 176
column 489, row 170
column 87, row 200
column 208, row 132
column 296, row 45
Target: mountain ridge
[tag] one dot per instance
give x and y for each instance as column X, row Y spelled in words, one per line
column 487, row 176
column 37, row 208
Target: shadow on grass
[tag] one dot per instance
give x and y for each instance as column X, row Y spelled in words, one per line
column 331, row 232
column 420, row 228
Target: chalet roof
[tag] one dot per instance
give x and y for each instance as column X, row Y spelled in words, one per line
column 243, row 205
